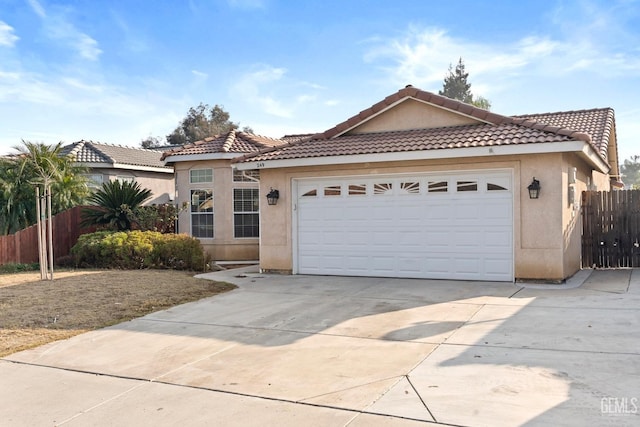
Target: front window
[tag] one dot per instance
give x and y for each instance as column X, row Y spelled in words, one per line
column 246, row 217
column 197, row 176
column 202, row 213
column 246, row 176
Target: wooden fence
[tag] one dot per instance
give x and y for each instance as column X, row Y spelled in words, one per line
column 611, row 229
column 22, row 247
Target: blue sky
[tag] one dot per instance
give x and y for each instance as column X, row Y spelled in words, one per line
column 120, row 71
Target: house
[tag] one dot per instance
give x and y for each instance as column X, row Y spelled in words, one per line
column 422, row 186
column 106, row 162
column 223, row 203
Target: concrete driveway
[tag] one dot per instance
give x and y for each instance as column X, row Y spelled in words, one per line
column 336, row 351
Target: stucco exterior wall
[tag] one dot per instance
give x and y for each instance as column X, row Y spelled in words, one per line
column 546, row 230
column 224, row 246
column 162, row 185
column 412, row 114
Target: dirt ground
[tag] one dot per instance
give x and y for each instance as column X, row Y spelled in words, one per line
column 35, row 312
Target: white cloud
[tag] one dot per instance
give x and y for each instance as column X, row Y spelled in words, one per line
column 57, row 27
column 422, row 56
column 252, row 87
column 37, row 8
column 7, row 37
column 200, row 74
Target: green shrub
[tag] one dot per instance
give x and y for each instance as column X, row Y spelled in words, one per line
column 139, row 249
column 13, row 267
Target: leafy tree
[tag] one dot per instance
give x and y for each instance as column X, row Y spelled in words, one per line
column 201, row 122
column 630, row 171
column 456, row 86
column 32, row 165
column 115, row 205
column 151, row 142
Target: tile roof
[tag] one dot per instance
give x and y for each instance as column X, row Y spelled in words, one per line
column 483, row 135
column 231, row 142
column 597, row 122
column 94, row 152
column 592, row 126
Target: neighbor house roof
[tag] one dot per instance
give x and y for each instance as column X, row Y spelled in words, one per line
column 491, row 130
column 114, row 156
column 233, row 142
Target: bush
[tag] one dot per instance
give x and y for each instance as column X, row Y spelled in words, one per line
column 139, row 249
column 13, row 267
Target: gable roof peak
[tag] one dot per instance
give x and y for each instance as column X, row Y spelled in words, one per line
column 411, row 92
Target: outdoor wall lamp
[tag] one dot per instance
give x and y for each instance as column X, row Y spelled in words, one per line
column 534, row 189
column 272, row 197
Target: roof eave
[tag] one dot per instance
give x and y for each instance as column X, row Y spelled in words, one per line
column 584, row 149
column 199, row 157
column 105, row 165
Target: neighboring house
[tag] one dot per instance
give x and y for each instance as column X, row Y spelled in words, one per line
column 223, row 205
column 106, row 162
column 423, row 186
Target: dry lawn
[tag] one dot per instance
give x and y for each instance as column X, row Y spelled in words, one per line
column 35, row 312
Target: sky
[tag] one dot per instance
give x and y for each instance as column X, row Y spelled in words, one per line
column 120, row 71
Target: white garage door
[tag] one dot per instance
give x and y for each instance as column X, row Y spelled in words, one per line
column 425, row 226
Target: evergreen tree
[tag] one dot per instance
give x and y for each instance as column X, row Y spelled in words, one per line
column 456, row 86
column 630, row 171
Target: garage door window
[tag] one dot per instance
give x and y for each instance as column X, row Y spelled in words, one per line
column 332, row 190
column 438, row 186
column 311, row 193
column 467, row 186
column 357, row 190
column 382, row 188
column 412, row 187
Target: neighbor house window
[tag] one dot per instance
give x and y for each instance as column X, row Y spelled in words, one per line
column 197, row 176
column 246, row 217
column 202, row 213
column 246, row 176
column 124, row 178
column 94, row 180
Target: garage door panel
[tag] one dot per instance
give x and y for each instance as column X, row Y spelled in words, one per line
column 403, row 230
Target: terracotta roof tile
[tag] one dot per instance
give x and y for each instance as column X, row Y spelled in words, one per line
column 231, row 142
column 484, row 135
column 592, row 126
column 596, row 123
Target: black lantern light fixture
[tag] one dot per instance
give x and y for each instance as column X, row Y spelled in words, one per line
column 272, row 197
column 534, row 189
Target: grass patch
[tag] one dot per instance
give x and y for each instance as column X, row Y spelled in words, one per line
column 35, row 312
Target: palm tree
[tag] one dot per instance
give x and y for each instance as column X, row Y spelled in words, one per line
column 34, row 164
column 115, row 205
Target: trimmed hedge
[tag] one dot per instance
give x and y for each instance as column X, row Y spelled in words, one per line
column 138, row 250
